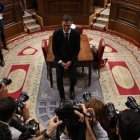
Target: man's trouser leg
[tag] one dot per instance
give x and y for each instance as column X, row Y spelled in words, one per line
column 59, row 77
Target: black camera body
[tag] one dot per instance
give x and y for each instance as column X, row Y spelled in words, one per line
column 112, row 114
column 67, row 115
column 21, row 99
column 30, row 129
column 132, row 104
column 6, row 82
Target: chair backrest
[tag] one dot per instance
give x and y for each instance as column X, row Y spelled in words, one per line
column 101, row 48
column 44, row 46
column 77, row 28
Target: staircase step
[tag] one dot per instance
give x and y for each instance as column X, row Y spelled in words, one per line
column 102, row 20
column 27, row 15
column 33, row 28
column 105, row 13
column 29, row 21
column 99, row 26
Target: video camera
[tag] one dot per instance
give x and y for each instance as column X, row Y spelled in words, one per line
column 6, row 82
column 21, row 99
column 112, row 114
column 32, row 128
column 132, row 104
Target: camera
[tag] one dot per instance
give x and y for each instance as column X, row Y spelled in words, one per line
column 87, row 96
column 132, row 104
column 22, row 98
column 67, row 115
column 29, row 129
column 112, row 113
column 6, row 82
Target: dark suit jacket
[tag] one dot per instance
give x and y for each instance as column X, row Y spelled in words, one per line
column 63, row 52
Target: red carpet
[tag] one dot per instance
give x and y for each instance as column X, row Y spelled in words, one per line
column 126, row 84
column 16, row 87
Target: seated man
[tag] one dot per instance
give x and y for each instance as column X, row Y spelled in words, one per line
column 66, row 46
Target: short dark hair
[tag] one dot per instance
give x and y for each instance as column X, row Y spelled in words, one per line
column 129, row 125
column 5, row 133
column 66, row 18
column 7, row 108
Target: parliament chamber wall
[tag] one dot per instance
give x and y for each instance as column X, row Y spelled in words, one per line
column 125, row 18
column 12, row 18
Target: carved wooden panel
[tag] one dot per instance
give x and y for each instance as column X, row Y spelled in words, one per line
column 66, row 6
column 12, row 18
column 125, row 17
column 131, row 16
column 9, row 14
column 53, row 10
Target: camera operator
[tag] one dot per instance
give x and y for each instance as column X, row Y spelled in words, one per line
column 7, row 110
column 99, row 132
column 24, row 111
column 101, row 115
column 128, row 125
column 86, row 121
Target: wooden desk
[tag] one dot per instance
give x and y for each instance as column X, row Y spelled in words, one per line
column 85, row 57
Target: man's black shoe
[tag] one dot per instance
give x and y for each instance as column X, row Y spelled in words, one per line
column 72, row 95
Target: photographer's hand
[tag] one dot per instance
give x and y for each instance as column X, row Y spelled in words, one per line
column 53, row 124
column 31, row 119
column 93, row 116
column 89, row 133
column 83, row 107
column 80, row 115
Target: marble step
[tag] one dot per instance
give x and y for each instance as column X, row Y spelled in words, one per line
column 27, row 15
column 29, row 22
column 33, row 28
column 102, row 20
column 105, row 13
column 99, row 26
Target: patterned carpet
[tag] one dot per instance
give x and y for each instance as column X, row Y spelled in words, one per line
column 26, row 66
column 120, row 77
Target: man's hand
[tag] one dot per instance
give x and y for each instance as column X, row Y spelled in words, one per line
column 65, row 65
column 3, row 91
column 53, row 124
column 68, row 65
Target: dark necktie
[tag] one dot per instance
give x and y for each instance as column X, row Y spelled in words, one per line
column 67, row 36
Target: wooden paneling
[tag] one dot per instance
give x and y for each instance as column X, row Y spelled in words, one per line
column 12, row 18
column 53, row 10
column 125, row 17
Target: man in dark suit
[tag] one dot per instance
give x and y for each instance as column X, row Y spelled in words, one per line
column 2, row 62
column 66, row 46
column 2, row 32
